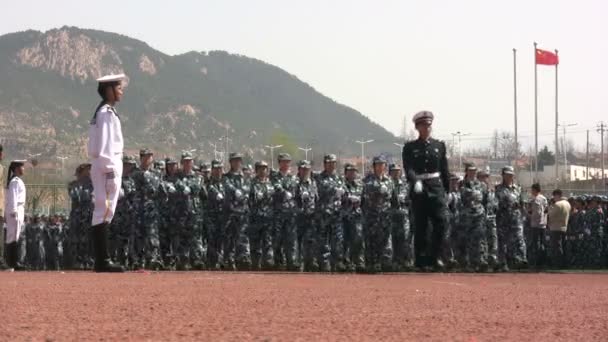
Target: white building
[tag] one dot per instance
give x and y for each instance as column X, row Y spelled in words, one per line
column 570, row 173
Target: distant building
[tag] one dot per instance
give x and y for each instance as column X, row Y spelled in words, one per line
column 570, row 173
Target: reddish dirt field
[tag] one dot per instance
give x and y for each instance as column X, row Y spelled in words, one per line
column 215, row 306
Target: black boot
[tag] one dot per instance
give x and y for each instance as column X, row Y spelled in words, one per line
column 100, row 246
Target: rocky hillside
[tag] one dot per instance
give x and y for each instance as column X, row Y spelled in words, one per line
column 189, row 101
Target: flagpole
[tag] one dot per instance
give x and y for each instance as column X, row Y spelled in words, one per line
column 535, row 118
column 516, row 155
column 556, row 130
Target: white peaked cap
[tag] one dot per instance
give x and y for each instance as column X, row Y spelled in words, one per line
column 111, row 78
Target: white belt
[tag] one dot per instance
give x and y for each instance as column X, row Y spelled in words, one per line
column 427, row 176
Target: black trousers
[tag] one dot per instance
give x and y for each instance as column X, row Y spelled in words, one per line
column 429, row 206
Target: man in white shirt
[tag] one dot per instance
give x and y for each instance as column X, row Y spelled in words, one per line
column 537, row 211
column 105, row 150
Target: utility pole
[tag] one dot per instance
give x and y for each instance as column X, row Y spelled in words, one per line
column 460, row 135
column 564, row 125
column 400, row 147
column 272, row 153
column 226, row 139
column 587, row 155
column 601, row 127
column 306, row 150
column 363, row 153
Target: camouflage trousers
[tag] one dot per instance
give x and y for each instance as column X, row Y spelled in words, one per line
column 475, row 228
column 353, row 242
column 187, row 241
column 591, row 251
column 215, row 236
column 458, row 242
column 35, row 253
column 80, row 246
column 378, row 241
column 285, row 240
column 403, row 243
column 491, row 240
column 236, row 242
column 307, row 241
column 53, row 251
column 260, row 240
column 119, row 234
column 511, row 244
column 145, row 240
column 330, row 241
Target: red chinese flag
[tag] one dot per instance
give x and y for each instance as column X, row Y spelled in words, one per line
column 544, row 57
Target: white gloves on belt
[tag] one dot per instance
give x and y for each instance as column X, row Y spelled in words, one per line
column 418, row 187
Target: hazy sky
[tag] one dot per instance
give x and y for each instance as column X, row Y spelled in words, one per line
column 387, row 59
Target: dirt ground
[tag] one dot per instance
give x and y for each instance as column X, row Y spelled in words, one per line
column 212, row 306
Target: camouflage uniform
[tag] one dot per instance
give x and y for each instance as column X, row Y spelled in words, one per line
column 191, row 249
column 457, row 237
column 236, row 243
column 81, row 193
column 285, row 239
column 123, row 224
column 472, row 217
column 490, row 224
column 403, row 244
column 352, row 221
column 34, row 237
column 169, row 217
column 330, row 232
column 260, row 228
column 509, row 220
column 146, row 244
column 215, row 219
column 377, row 195
column 52, row 245
column 593, row 231
column 306, row 198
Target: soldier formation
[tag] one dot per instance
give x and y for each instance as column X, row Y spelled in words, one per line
column 175, row 216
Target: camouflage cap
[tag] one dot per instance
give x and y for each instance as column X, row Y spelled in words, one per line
column 216, row 164
column 145, row 152
column 508, row 170
column 205, row 167
column 350, row 167
column 470, row 166
column 595, row 198
column 260, row 164
column 330, row 158
column 170, row 161
column 304, row 164
column 284, row 157
column 235, row 155
column 129, row 160
column 483, row 173
column 246, row 167
column 187, row 155
column 159, row 164
column 378, row 160
column 454, row 176
column 394, row 167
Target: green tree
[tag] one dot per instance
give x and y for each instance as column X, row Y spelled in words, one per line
column 289, row 145
column 545, row 157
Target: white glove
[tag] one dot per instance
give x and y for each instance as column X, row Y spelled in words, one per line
column 418, row 187
column 110, row 186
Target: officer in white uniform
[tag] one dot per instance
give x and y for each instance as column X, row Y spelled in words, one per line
column 14, row 209
column 105, row 150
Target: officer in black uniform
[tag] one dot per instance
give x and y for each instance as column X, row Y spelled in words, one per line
column 426, row 168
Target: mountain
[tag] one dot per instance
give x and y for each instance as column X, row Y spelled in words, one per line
column 188, row 101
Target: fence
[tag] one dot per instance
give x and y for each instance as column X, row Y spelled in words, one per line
column 47, row 198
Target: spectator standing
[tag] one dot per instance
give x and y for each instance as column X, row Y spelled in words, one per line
column 559, row 214
column 537, row 211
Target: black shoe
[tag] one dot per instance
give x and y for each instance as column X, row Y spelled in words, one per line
column 438, row 265
column 100, row 247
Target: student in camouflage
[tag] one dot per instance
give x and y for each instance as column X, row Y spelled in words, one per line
column 593, row 231
column 123, row 223
column 473, row 194
column 377, row 195
column 52, row 243
column 285, row 212
column 191, row 251
column 306, row 198
column 490, row 222
column 509, row 220
column 34, row 237
column 146, row 252
column 262, row 215
column 236, row 243
column 403, row 247
column 169, row 214
column 330, row 236
column 352, row 220
column 81, row 194
column 214, row 215
column 457, row 238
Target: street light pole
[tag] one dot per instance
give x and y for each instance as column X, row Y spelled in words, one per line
column 400, row 146
column 62, row 163
column 305, row 151
column 567, row 178
column 272, row 153
column 363, row 153
column 460, row 135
